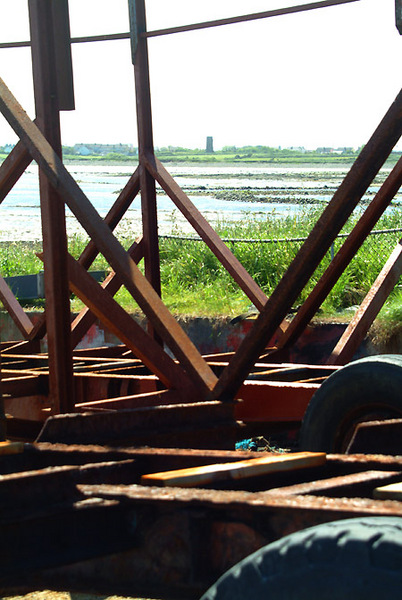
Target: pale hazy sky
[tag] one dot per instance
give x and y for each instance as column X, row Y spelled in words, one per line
column 321, row 78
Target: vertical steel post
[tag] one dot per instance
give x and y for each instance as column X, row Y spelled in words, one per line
column 145, row 141
column 52, row 210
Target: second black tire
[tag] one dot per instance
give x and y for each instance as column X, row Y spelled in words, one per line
column 352, row 559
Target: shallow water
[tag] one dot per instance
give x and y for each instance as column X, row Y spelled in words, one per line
column 276, row 191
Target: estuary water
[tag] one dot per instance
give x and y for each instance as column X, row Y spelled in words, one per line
column 219, row 192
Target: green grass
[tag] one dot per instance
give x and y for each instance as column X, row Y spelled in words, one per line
column 195, row 283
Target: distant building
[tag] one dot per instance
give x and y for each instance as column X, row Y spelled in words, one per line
column 103, row 149
column 210, row 145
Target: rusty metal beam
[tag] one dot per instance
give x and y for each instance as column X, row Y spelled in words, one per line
column 345, row 255
column 52, row 208
column 313, row 250
column 206, row 232
column 357, row 329
column 85, row 319
column 145, row 145
column 15, row 310
column 119, row 322
column 133, row 279
column 12, row 168
column 88, row 255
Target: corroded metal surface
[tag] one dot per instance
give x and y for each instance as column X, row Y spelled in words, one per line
column 101, row 530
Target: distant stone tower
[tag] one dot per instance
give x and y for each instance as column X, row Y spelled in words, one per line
column 210, row 145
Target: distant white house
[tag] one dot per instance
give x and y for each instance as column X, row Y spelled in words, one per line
column 82, row 150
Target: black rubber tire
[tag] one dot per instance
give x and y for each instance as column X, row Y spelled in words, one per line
column 366, row 389
column 353, row 559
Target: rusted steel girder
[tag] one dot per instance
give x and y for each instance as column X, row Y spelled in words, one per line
column 89, row 254
column 344, row 256
column 145, row 145
column 368, row 310
column 141, row 290
column 43, row 45
column 313, row 250
column 152, row 538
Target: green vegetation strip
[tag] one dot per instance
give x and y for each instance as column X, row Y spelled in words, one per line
column 194, row 283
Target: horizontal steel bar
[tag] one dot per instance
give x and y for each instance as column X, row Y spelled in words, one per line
column 194, row 26
column 250, row 17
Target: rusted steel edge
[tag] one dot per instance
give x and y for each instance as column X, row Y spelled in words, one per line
column 12, row 168
column 135, row 282
column 333, row 218
column 85, row 319
column 15, row 310
column 369, row 309
column 206, row 232
column 88, row 255
column 124, row 327
column 344, row 256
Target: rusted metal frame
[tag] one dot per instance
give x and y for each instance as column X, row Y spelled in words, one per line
column 344, row 256
column 75, row 40
column 88, row 255
column 206, row 232
column 133, row 279
column 52, row 209
column 143, row 400
column 15, row 310
column 377, row 437
column 10, row 172
column 103, row 428
column 12, row 168
column 243, row 18
column 24, row 347
column 23, row 384
column 355, row 484
column 145, row 145
column 32, row 407
column 357, row 329
column 85, row 319
column 333, row 218
column 119, row 322
column 114, row 216
column 273, row 401
column 126, row 35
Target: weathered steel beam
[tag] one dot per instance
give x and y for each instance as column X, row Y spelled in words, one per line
column 206, row 232
column 12, row 168
column 333, row 218
column 52, row 208
column 145, row 145
column 15, row 310
column 88, row 255
column 133, row 279
column 85, row 319
column 119, row 322
column 344, row 256
column 357, row 329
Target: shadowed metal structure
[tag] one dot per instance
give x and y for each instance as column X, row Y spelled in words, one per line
column 160, row 365
column 82, row 506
